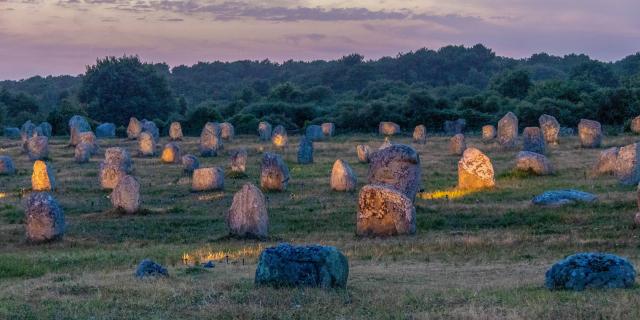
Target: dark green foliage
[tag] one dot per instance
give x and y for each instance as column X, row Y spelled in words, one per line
column 512, row 84
column 198, row 116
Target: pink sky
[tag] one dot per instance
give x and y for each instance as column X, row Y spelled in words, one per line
column 63, row 36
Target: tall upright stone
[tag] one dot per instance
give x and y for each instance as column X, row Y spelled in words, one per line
column 635, row 125
column 488, row 133
column 171, row 153
column 590, row 133
column 227, row 131
column 264, row 131
column 116, row 165
column 146, row 144
column 398, row 167
column 508, row 131
column 190, row 163
column 305, row 151
column 42, row 177
column 134, row 128
column 38, row 148
column 175, row 131
column 208, row 179
column 627, row 167
column 457, row 144
column 535, row 163
column 606, row 162
column 239, row 160
column 420, row 134
column 151, row 128
column 274, row 173
column 106, row 131
column 550, row 128
column 210, row 140
column 11, row 133
column 44, row 218
column 126, row 195
column 77, row 125
column 387, row 128
column 82, row 152
column 46, row 129
column 328, row 129
column 6, row 166
column 475, row 171
column 314, row 132
column 363, row 152
column 89, row 138
column 119, row 157
column 279, row 137
column 384, row 211
column 248, row 217
column 342, row 177
column 533, row 140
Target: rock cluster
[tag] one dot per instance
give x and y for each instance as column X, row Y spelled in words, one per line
column 117, row 164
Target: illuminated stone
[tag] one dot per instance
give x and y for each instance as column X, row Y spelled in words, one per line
column 342, row 177
column 190, row 163
column 457, row 144
column 227, row 131
column 171, row 153
column 210, row 140
column 398, row 167
column 42, row 178
column 248, row 216
column 274, row 173
column 77, row 125
column 384, row 211
column 146, row 145
column 387, row 128
column 627, row 165
column 44, row 218
column 151, row 128
column 239, row 160
column 606, row 162
column 206, row 179
column 635, row 125
column 38, row 148
column 590, row 133
column 328, row 129
column 279, row 137
column 533, row 140
column 110, row 175
column 550, row 128
column 89, row 138
column 134, row 128
column 508, row 131
column 533, row 162
column 305, row 151
column 126, row 195
column 264, row 131
column 82, row 152
column 363, row 152
column 488, row 133
column 475, row 170
column 119, row 157
column 420, row 134
column 175, row 131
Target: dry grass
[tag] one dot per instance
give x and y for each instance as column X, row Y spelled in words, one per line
column 480, row 255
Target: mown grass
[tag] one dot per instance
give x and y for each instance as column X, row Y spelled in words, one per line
column 480, row 256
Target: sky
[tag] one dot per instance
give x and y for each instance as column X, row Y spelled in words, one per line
column 53, row 37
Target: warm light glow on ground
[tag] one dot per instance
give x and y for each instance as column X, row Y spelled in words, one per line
column 3, row 195
column 446, row 194
column 205, row 255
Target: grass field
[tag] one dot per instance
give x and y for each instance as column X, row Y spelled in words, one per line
column 481, row 256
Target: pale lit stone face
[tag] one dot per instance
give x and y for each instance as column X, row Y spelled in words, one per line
column 342, row 177
column 363, row 152
column 488, row 133
column 126, row 195
column 533, row 162
column 457, row 144
column 206, row 179
column 475, row 170
column 146, row 145
column 42, row 177
column 398, row 167
column 606, row 161
column 508, row 130
column 248, row 215
column 590, row 133
column 239, row 160
column 384, row 211
column 274, row 173
column 627, row 165
column 388, row 128
column 171, row 153
column 279, row 137
column 134, row 128
column 175, row 131
column 227, row 131
column 550, row 128
column 420, row 134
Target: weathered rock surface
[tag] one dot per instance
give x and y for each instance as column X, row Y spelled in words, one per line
column 305, row 151
column 175, row 131
column 533, row 162
column 398, row 167
column 384, row 211
column 533, row 140
column 363, row 152
column 227, row 131
column 387, row 128
column 46, row 129
column 508, row 131
column 42, row 177
column 342, row 177
column 12, row 132
column 77, row 125
column 420, row 134
column 556, row 198
column 44, row 218
column 590, row 271
column 627, row 165
column 126, row 195
column 110, row 175
column 134, row 128
column 274, row 173
column 6, row 166
column 89, row 138
column 328, row 129
column 607, row 162
column 210, row 140
column 151, row 128
column 264, row 131
column 146, row 145
column 148, row 268
column 239, row 160
column 635, row 125
column 475, row 171
column 314, row 132
column 106, row 131
column 119, row 157
column 207, row 179
column 457, row 144
column 190, row 163
column 279, row 137
column 38, row 148
column 590, row 133
column 171, row 153
column 550, row 128
column 488, row 133
column 302, row 266
column 248, row 216
column 82, row 152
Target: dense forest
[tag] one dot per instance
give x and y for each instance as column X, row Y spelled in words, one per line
column 421, row 87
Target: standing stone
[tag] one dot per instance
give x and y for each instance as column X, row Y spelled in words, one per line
column 146, row 145
column 106, row 131
column 248, row 217
column 508, row 131
column 44, row 218
column 455, row 127
column 314, row 133
column 206, row 179
column 42, row 177
column 227, row 131
column 6, row 166
column 89, row 138
column 171, row 153
column 175, row 131
column 342, row 177
column 635, row 125
column 264, row 131
column 110, row 175
column 46, row 129
column 38, row 148
column 488, row 133
column 363, row 151
column 627, row 168
column 386, row 128
column 328, row 129
column 396, row 167
column 305, row 151
column 385, row 144
column 190, row 163
column 151, row 128
column 274, row 173
column 134, row 128
column 536, row 163
column 279, row 137
column 384, row 211
column 475, row 171
column 126, row 195
column 607, row 161
column 27, row 131
column 119, row 157
column 533, row 140
column 11, row 132
column 82, row 152
column 77, row 125
column 590, row 133
column 239, row 160
column 550, row 129
column 457, row 144
column 420, row 134
column 210, row 140
column 302, row 266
